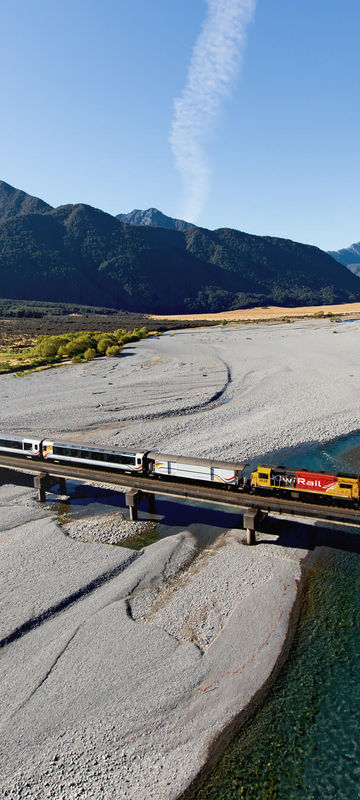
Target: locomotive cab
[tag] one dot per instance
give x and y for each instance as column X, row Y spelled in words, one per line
column 261, row 478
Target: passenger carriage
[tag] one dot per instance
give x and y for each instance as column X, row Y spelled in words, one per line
column 125, row 460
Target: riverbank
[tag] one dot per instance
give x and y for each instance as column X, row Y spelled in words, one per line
column 217, row 749
column 146, row 657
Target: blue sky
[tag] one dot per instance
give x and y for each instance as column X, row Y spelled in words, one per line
column 87, row 100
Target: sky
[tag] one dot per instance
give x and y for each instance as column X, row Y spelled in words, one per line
column 228, row 113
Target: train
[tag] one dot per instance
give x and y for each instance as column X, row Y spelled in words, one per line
column 299, row 484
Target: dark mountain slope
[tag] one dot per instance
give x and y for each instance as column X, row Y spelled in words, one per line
column 82, row 255
column 14, row 202
column 284, row 270
column 154, row 218
column 349, row 256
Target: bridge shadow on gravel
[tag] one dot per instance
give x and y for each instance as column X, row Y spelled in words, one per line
column 15, row 478
column 307, row 537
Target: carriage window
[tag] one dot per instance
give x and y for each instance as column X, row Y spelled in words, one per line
column 127, row 459
column 10, row 443
column 114, row 458
column 27, row 446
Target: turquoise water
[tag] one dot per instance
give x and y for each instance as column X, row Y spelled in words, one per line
column 304, row 742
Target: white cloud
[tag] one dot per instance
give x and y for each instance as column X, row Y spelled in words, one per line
column 215, row 62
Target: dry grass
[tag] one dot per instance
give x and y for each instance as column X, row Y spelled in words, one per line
column 265, row 313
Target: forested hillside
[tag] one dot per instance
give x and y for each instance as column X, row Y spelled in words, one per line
column 78, row 254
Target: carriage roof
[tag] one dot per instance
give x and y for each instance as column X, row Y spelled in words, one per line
column 198, row 462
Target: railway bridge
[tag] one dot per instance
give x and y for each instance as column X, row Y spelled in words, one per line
column 138, row 488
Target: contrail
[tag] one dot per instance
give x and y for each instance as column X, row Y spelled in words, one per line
column 216, row 60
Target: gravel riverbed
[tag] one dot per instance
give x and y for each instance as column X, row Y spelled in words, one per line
column 121, row 668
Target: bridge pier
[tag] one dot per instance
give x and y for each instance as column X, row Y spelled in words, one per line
column 41, row 483
column 251, row 519
column 132, row 499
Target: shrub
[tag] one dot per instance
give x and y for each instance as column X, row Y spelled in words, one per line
column 90, row 353
column 119, row 333
column 73, row 348
column 46, row 347
column 105, row 342
column 113, row 350
column 62, row 351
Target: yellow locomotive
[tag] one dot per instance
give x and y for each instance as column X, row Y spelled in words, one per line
column 305, row 482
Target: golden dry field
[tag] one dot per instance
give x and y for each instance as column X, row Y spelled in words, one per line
column 271, row 313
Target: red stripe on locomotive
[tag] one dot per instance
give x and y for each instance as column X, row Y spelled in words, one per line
column 315, row 482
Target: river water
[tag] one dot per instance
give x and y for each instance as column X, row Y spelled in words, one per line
column 304, row 741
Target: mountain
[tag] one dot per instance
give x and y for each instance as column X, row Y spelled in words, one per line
column 154, row 218
column 78, row 254
column 349, row 256
column 14, row 202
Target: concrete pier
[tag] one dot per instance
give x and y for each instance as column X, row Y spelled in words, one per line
column 41, row 484
column 251, row 519
column 132, row 499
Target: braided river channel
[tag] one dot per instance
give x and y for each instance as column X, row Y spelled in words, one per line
column 304, row 741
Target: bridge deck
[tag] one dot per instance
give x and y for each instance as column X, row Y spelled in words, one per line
column 199, row 492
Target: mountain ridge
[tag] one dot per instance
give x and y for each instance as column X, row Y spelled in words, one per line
column 14, row 202
column 348, row 256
